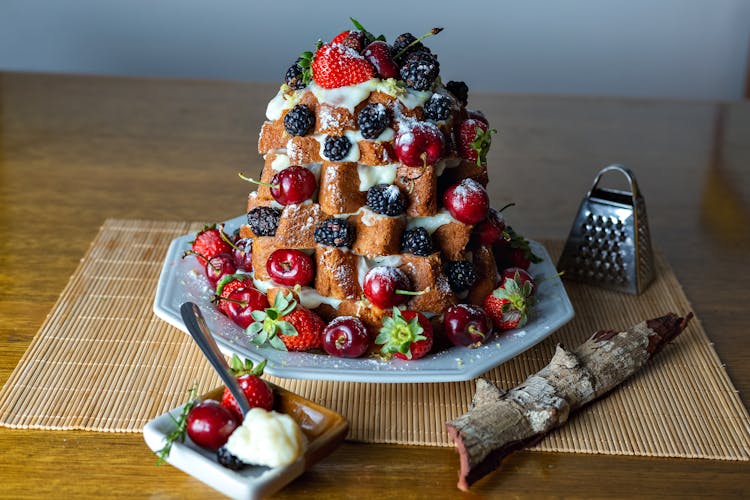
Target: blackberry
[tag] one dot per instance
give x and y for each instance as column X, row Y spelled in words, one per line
column 401, row 42
column 417, row 241
column 438, row 107
column 336, row 147
column 228, row 460
column 386, row 199
column 459, row 90
column 294, row 77
column 373, row 120
column 335, row 232
column 264, row 220
column 461, row 274
column 420, row 70
column 299, row 120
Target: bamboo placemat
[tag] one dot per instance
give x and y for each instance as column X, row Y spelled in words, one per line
column 102, row 361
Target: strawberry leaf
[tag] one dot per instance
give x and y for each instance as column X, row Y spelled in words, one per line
column 369, row 37
column 398, row 335
column 286, row 328
column 276, row 343
column 482, row 143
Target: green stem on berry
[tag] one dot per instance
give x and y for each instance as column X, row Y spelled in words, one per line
column 433, row 31
column 250, row 179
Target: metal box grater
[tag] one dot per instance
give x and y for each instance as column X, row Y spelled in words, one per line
column 609, row 244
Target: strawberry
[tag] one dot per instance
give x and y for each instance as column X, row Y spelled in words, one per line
column 259, row 394
column 226, row 286
column 287, row 326
column 509, row 304
column 514, row 251
column 336, row 65
column 350, row 38
column 405, row 335
column 473, row 139
column 208, row 243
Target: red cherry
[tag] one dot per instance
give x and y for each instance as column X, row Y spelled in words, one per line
column 292, row 185
column 382, row 285
column 290, row 267
column 467, row 325
column 467, row 201
column 241, row 303
column 346, row 337
column 419, row 143
column 243, row 254
column 219, row 266
column 209, row 424
column 520, row 275
column 379, row 55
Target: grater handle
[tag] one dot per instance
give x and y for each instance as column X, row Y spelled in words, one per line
column 624, row 171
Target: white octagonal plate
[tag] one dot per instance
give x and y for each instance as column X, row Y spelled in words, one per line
column 183, row 280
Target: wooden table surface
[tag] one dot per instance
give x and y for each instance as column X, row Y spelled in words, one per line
column 75, row 150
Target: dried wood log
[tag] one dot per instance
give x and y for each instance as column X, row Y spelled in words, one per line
column 500, row 422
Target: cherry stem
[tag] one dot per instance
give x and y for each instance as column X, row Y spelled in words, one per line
column 507, row 206
column 433, row 31
column 545, row 278
column 226, row 239
column 240, row 302
column 475, row 331
column 409, row 292
column 250, row 179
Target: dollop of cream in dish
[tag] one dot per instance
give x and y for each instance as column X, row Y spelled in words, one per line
column 267, row 438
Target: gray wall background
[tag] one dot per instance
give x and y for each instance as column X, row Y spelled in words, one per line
column 694, row 49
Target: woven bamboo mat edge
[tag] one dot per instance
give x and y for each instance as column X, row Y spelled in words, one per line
column 397, row 413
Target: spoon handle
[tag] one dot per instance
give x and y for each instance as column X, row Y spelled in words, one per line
column 196, row 325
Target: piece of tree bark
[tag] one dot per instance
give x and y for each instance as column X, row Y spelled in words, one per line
column 500, row 422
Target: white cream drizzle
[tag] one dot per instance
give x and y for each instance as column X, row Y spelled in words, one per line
column 430, row 222
column 376, row 174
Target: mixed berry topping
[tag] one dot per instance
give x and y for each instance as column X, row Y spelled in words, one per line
column 335, row 233
column 459, row 90
column 417, row 241
column 461, row 274
column 264, row 220
column 228, row 460
column 438, row 107
column 336, row 148
column 386, row 199
column 420, row 70
column 299, row 120
column 373, row 119
column 404, row 45
column 294, row 76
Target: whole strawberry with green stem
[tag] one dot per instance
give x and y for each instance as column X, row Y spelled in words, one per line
column 286, row 326
column 208, row 243
column 226, row 286
column 508, row 306
column 258, row 393
column 405, row 335
column 473, row 140
column 514, row 251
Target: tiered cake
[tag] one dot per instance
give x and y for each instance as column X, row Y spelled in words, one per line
column 374, row 167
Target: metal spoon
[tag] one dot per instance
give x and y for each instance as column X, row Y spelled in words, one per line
column 196, row 325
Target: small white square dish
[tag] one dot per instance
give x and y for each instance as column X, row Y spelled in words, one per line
column 325, row 431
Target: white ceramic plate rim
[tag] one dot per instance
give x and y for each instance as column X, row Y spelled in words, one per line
column 182, row 280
